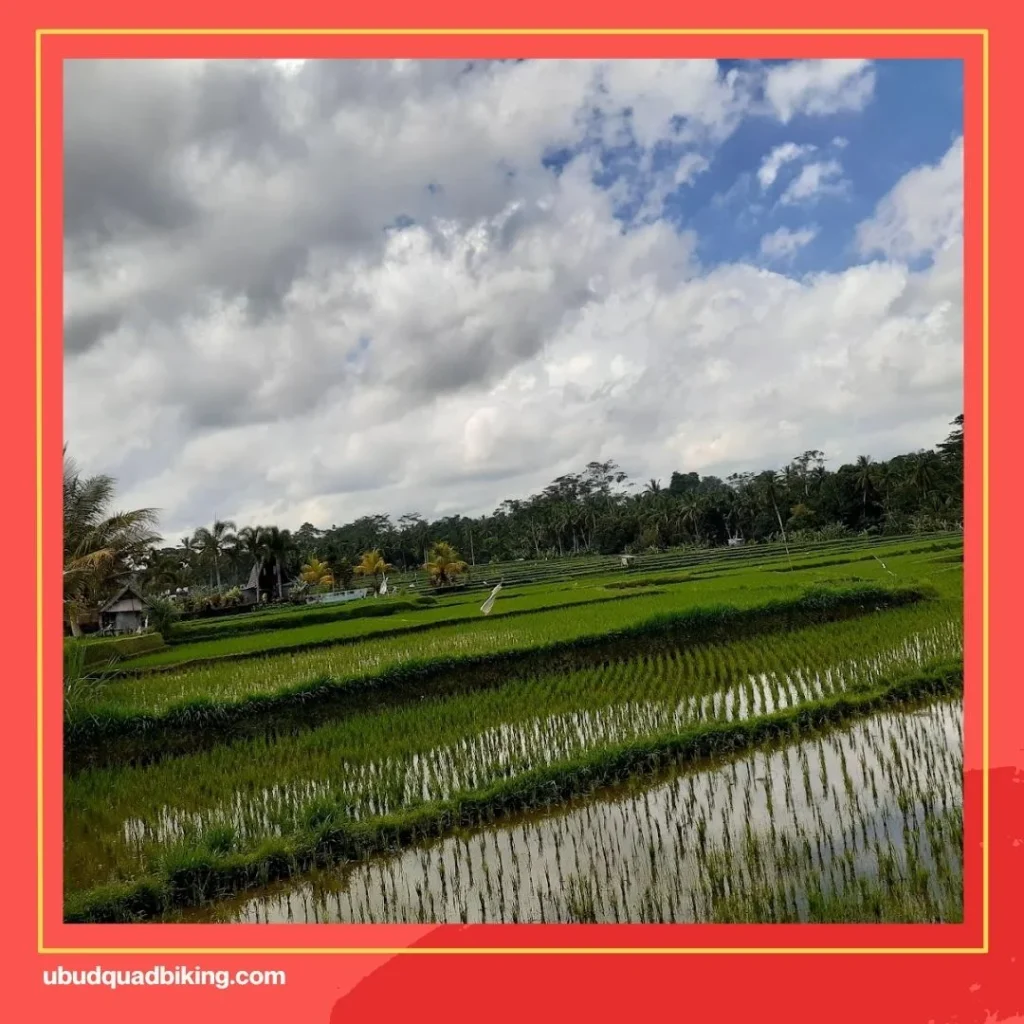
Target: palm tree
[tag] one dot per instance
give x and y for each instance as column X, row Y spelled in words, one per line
column 689, row 512
column 98, row 544
column 214, row 542
column 922, row 472
column 251, row 542
column 278, row 545
column 372, row 564
column 317, row 573
column 864, row 477
column 653, row 486
column 444, row 565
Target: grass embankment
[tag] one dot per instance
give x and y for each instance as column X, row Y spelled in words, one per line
column 107, row 650
column 193, row 876
column 307, row 638
column 194, row 630
column 579, row 567
column 782, row 564
column 113, row 727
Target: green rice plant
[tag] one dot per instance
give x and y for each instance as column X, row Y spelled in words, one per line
column 348, row 630
column 165, row 710
column 372, row 765
column 739, row 837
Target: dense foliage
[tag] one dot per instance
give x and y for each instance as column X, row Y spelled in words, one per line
column 596, row 511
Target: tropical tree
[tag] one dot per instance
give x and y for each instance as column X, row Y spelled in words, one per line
column 372, row 564
column 316, row 573
column 864, row 476
column 213, row 543
column 101, row 547
column 252, row 543
column 444, row 566
column 278, row 545
column 344, row 573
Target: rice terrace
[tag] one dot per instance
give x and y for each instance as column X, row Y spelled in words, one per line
column 767, row 731
column 524, row 491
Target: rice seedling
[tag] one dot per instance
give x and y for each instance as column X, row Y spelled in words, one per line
column 720, row 843
column 215, row 696
column 350, row 630
column 118, row 821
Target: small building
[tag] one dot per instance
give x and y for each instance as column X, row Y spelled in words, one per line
column 251, row 590
column 627, row 560
column 127, row 612
column 262, row 583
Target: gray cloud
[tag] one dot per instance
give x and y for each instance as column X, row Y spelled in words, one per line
column 255, row 264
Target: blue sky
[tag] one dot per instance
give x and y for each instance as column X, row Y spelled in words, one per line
column 915, row 114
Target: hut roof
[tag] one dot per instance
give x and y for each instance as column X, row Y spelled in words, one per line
column 128, row 588
column 254, row 577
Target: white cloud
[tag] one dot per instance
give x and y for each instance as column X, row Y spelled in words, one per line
column 285, row 358
column 784, row 244
column 777, row 159
column 814, row 181
column 819, row 87
column 924, row 211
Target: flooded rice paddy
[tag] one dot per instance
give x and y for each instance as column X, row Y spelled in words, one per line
column 863, row 822
column 125, row 819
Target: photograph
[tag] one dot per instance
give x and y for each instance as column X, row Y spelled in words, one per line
column 513, row 491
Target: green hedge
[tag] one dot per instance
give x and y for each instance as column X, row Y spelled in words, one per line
column 265, row 621
column 109, row 650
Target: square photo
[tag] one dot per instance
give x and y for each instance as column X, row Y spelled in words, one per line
column 513, row 491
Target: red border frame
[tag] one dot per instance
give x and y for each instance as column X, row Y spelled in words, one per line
column 479, row 975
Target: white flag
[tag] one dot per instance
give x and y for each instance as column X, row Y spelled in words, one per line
column 489, row 603
column 384, row 586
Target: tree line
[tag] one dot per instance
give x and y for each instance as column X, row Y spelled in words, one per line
column 595, row 511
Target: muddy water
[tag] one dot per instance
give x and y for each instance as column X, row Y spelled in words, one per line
column 877, row 805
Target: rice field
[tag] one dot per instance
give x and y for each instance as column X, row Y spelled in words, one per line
column 236, row 680
column 371, row 811
column 859, row 824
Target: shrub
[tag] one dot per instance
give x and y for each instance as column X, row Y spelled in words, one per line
column 163, row 615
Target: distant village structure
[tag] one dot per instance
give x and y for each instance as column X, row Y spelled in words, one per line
column 126, row 612
column 262, row 583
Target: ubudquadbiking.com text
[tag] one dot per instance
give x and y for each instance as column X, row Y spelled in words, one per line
column 105, row 977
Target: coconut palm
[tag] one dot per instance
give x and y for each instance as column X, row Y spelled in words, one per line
column 251, row 543
column 923, row 472
column 99, row 544
column 317, row 573
column 212, row 544
column 444, row 566
column 278, row 545
column 372, row 564
column 864, row 475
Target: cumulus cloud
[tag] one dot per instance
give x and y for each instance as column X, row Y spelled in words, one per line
column 815, row 180
column 924, row 212
column 784, row 244
column 775, row 160
column 819, row 87
column 334, row 288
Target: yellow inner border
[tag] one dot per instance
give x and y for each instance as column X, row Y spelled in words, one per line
column 386, row 950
